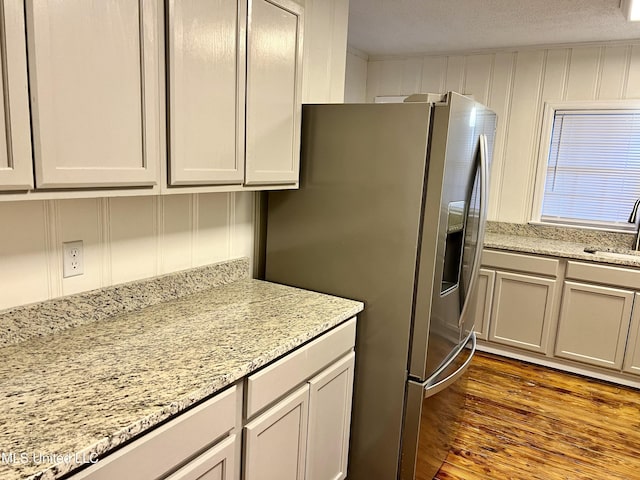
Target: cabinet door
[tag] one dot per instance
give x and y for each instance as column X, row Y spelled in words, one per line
column 593, row 325
column 276, row 441
column 521, row 312
column 217, row 463
column 206, row 91
column 632, row 354
column 482, row 305
column 94, row 72
column 330, row 398
column 15, row 130
column 274, row 74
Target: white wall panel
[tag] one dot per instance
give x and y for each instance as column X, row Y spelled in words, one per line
column 384, row 78
column 633, row 79
column 584, row 73
column 478, row 76
column 316, row 74
column 555, row 75
column 339, row 49
column 212, row 241
column 80, row 219
column 355, row 89
column 23, row 253
column 176, row 233
column 500, row 102
column 124, row 239
column 614, row 72
column 242, row 219
column 325, row 48
column 434, row 71
column 411, row 74
column 133, row 235
column 523, row 128
column 454, row 79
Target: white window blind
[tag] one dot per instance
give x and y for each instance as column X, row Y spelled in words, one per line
column 593, row 170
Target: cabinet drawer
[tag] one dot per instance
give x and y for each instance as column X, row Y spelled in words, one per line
column 523, row 263
column 604, row 274
column 282, row 376
column 171, row 444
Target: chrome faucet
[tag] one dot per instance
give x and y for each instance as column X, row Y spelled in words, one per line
column 632, row 219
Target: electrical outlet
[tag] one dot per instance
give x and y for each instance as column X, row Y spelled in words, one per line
column 73, row 259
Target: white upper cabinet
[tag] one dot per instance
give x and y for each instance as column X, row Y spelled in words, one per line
column 15, row 139
column 94, row 74
column 83, row 90
column 234, row 92
column 274, row 76
column 206, row 42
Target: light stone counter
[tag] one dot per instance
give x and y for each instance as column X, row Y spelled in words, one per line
column 560, row 242
column 90, row 388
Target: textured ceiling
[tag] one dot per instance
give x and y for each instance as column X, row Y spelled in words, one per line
column 396, row 27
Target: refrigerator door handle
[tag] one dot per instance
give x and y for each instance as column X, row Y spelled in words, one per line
column 431, row 390
column 484, row 188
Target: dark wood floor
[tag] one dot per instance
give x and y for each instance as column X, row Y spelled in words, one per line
column 525, row 422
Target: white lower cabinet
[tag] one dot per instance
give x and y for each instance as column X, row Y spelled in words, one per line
column 516, row 299
column 276, row 441
column 577, row 314
column 522, row 309
column 299, row 411
column 483, row 301
column 632, row 353
column 593, row 324
column 330, row 398
column 305, row 435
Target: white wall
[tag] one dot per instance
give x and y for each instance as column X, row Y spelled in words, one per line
column 325, row 46
column 125, row 238
column 355, row 89
column 515, row 84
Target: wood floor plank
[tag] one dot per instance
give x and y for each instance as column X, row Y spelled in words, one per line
column 547, row 430
column 527, row 422
column 550, row 398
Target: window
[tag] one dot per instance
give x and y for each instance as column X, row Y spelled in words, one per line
column 590, row 165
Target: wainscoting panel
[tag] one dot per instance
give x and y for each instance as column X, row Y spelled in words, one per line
column 24, row 269
column 124, row 239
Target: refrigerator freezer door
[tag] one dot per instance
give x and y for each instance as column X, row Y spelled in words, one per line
column 432, row 417
column 450, row 244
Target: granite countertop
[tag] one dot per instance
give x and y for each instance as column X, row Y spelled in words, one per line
column 88, row 389
column 562, row 242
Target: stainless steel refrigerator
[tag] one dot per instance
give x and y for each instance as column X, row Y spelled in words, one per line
column 391, row 211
